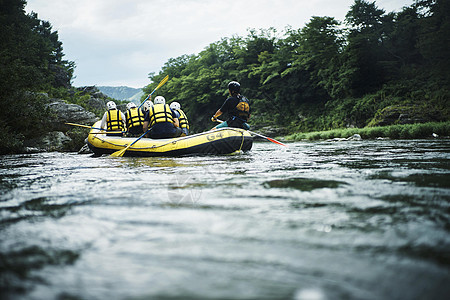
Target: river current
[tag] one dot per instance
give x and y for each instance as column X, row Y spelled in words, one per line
column 316, row 220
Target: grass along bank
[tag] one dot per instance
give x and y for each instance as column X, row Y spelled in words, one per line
column 406, row 131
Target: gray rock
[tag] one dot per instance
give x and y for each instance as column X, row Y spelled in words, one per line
column 406, row 114
column 51, row 141
column 71, row 113
column 98, row 104
column 31, row 150
column 85, row 150
column 355, row 137
column 336, row 140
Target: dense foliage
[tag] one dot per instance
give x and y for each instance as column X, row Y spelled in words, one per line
column 328, row 74
column 325, row 75
column 31, row 61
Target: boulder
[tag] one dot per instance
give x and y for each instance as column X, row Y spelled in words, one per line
column 51, row 141
column 355, row 137
column 71, row 113
column 406, row 114
column 85, row 150
column 96, row 104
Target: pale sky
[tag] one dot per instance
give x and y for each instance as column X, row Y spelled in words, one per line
column 118, row 42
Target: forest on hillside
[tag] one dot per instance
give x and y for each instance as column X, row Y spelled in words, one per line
column 31, row 62
column 328, row 74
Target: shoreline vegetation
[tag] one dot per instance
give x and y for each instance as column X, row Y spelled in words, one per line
column 400, row 131
column 351, row 76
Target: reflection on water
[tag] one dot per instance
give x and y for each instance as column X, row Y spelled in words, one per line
column 324, row 220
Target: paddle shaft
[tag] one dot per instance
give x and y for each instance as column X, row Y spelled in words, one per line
column 268, row 138
column 90, row 127
column 157, row 87
column 85, row 126
column 260, row 135
column 107, row 132
column 122, row 152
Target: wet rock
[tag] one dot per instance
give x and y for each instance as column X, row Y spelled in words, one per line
column 336, row 140
column 31, row 150
column 355, row 137
column 51, row 141
column 85, row 150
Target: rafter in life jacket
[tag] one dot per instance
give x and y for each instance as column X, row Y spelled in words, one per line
column 114, row 120
column 242, row 108
column 183, row 119
column 135, row 117
column 160, row 113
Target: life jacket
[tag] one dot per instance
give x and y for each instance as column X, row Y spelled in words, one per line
column 242, row 109
column 159, row 113
column 134, row 117
column 183, row 119
column 114, row 120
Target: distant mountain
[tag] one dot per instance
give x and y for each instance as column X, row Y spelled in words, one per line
column 122, row 93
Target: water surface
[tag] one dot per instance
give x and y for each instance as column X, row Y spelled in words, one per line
column 321, row 220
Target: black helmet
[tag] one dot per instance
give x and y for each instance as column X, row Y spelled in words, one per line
column 234, row 86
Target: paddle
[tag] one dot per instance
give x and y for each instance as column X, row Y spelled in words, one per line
column 85, row 126
column 108, row 132
column 90, row 127
column 260, row 135
column 268, row 138
column 121, row 152
column 157, row 87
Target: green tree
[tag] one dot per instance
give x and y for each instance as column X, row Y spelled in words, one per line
column 365, row 47
column 323, row 75
column 30, row 61
column 433, row 41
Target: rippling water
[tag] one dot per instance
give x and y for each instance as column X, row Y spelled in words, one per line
column 323, row 220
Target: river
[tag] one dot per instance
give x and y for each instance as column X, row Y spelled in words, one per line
column 316, row 220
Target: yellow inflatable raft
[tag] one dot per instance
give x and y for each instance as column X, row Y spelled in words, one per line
column 219, row 141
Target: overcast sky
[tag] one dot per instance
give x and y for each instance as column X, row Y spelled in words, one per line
column 119, row 42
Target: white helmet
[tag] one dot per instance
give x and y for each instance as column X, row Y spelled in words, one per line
column 147, row 104
column 175, row 105
column 131, row 105
column 111, row 105
column 160, row 100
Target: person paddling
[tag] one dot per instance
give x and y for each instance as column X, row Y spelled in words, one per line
column 135, row 120
column 161, row 120
column 237, row 107
column 184, row 124
column 113, row 119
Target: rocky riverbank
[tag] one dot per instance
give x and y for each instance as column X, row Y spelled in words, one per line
column 63, row 137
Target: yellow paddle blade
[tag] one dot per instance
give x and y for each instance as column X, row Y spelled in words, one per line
column 120, row 153
column 162, row 82
column 157, row 87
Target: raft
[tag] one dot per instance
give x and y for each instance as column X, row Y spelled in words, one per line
column 218, row 141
